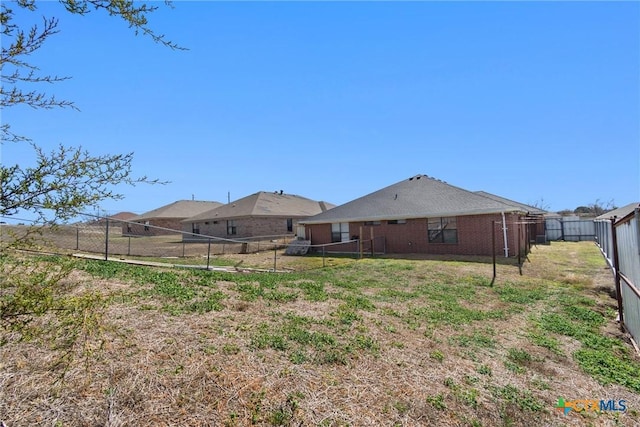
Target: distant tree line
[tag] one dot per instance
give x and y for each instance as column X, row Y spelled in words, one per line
column 596, row 208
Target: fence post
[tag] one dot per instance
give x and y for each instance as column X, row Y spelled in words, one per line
column 373, row 252
column 129, row 247
column 208, row 253
column 106, row 241
column 493, row 250
column 616, row 267
column 519, row 250
column 323, row 264
column 183, row 247
column 275, row 253
column 77, row 237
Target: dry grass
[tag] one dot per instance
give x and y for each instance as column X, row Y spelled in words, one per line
column 395, row 363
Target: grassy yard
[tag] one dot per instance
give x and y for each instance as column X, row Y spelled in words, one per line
column 386, row 342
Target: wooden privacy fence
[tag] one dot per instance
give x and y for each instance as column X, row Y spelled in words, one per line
column 619, row 241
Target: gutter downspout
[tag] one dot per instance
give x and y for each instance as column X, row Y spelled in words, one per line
column 504, row 235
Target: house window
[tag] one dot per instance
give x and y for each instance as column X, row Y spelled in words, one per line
column 231, row 228
column 195, row 228
column 372, row 223
column 397, row 221
column 289, row 224
column 146, row 226
column 340, row 232
column 442, row 230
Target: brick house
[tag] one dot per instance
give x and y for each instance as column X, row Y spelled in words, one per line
column 260, row 214
column 166, row 217
column 425, row 215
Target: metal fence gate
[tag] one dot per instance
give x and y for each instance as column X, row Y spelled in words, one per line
column 570, row 229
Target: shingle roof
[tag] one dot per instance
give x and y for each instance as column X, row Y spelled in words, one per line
column 179, row 209
column 263, row 204
column 124, row 216
column 619, row 213
column 417, row 197
column 527, row 208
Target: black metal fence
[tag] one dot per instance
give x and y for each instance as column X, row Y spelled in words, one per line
column 108, row 238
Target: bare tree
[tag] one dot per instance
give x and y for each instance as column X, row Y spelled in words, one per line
column 64, row 181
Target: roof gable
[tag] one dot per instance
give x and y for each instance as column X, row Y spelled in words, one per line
column 123, row 216
column 420, row 196
column 619, row 213
column 263, row 204
column 179, row 209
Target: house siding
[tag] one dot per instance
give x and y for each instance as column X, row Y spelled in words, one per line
column 474, row 236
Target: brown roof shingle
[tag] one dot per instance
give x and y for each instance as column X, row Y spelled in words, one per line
column 263, row 204
column 179, row 209
column 420, row 196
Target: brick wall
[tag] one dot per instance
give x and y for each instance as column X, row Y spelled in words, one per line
column 138, row 229
column 245, row 227
column 474, row 236
column 320, row 234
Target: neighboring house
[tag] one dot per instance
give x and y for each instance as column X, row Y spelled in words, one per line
column 604, row 227
column 619, row 213
column 260, row 214
column 153, row 222
column 120, row 216
column 123, row 216
column 425, row 215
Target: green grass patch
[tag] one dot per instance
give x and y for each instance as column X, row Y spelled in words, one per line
column 604, row 358
column 542, row 339
column 312, row 291
column 519, row 356
column 520, row 293
column 609, row 366
column 452, row 313
column 523, row 399
column 476, row 339
column 437, row 401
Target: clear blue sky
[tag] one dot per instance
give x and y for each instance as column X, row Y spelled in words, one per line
column 333, row 100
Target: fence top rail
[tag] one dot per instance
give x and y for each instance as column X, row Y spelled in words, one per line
column 324, row 245
column 204, row 237
column 627, row 218
column 630, row 284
